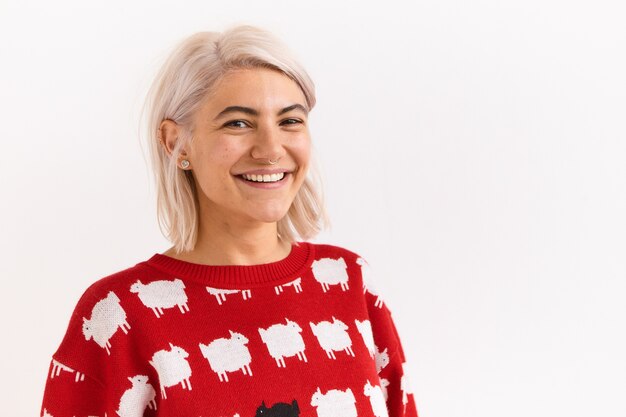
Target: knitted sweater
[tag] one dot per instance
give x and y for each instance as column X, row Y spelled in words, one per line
column 308, row 335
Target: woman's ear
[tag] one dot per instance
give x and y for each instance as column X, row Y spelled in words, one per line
column 168, row 134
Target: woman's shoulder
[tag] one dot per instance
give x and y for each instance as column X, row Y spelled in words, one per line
column 354, row 262
column 111, row 287
column 99, row 305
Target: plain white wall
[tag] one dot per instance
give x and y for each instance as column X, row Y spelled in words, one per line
column 474, row 152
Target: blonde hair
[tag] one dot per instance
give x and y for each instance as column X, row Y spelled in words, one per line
column 188, row 75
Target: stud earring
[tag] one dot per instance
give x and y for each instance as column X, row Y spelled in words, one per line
column 184, row 163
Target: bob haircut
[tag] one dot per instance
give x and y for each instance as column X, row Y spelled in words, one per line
column 187, row 76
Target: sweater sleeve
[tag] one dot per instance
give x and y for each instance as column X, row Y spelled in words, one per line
column 68, row 393
column 76, row 383
column 389, row 354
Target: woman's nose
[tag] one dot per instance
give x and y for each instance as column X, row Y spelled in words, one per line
column 268, row 143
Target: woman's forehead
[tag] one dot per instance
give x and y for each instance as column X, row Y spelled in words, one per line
column 261, row 80
column 256, row 94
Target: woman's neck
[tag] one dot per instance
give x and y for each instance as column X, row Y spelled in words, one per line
column 215, row 247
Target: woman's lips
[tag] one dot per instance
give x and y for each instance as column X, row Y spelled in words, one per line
column 266, row 185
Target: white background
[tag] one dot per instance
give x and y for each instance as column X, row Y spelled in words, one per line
column 474, row 152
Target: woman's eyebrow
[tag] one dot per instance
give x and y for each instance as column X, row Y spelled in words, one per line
column 253, row 112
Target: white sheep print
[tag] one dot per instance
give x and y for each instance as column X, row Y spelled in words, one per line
column 154, row 340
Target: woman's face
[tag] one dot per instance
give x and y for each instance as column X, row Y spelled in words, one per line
column 271, row 124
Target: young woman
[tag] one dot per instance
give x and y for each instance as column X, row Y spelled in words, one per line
column 241, row 316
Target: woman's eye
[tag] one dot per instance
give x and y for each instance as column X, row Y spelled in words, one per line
column 235, row 121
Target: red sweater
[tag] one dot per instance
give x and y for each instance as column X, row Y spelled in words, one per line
column 304, row 336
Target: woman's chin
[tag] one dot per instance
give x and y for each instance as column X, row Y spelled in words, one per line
column 269, row 216
column 272, row 218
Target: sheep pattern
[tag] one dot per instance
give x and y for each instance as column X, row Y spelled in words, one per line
column 365, row 329
column 278, row 410
column 334, row 403
column 107, row 316
column 377, row 399
column 135, row 399
column 328, row 271
column 57, row 367
column 405, row 384
column 284, row 340
column 158, row 295
column 369, row 282
column 45, row 413
column 172, row 367
column 384, row 383
column 296, row 284
column 333, row 336
column 226, row 355
column 381, row 358
column 220, row 293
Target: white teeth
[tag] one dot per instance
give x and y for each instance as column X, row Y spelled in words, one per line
column 264, row 178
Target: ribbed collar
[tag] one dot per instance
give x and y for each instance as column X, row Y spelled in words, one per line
column 299, row 259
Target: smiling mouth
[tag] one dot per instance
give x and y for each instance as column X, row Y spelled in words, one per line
column 265, row 179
